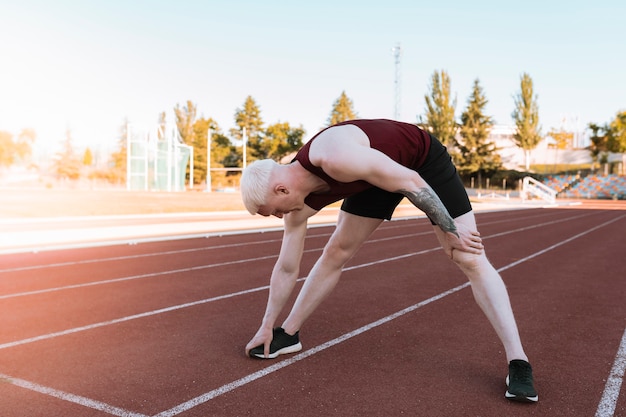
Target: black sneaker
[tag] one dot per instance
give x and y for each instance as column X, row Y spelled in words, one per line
column 281, row 343
column 520, row 382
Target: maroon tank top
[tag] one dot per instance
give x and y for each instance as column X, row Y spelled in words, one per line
column 405, row 143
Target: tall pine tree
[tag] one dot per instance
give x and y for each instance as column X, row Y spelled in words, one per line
column 526, row 116
column 67, row 164
column 476, row 154
column 249, row 117
column 440, row 108
column 185, row 118
column 343, row 109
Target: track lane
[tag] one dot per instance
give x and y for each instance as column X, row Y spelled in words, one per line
column 258, row 299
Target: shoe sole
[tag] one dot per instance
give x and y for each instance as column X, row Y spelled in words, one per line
column 520, row 398
column 289, row 349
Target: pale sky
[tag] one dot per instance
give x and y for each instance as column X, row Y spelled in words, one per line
column 89, row 65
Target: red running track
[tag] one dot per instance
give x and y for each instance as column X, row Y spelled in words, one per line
column 159, row 329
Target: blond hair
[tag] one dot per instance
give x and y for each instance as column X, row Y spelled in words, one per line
column 255, row 183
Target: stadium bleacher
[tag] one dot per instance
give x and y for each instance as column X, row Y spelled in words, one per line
column 591, row 186
column 560, row 183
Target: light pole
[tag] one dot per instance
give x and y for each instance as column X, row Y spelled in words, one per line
column 397, row 52
column 208, row 161
column 245, row 145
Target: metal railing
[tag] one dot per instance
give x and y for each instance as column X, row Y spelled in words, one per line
column 532, row 187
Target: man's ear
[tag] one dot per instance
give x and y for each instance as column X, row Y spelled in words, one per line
column 281, row 189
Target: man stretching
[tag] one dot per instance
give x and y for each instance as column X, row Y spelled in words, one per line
column 372, row 165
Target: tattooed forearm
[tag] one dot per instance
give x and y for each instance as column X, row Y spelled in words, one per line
column 426, row 200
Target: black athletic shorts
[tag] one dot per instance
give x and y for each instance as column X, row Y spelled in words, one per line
column 438, row 171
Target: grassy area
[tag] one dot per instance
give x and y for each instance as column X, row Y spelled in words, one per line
column 560, row 169
column 15, row 203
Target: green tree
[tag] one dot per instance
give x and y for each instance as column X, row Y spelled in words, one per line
column 281, row 140
column 199, row 143
column 88, row 157
column 526, row 116
column 223, row 155
column 185, row 118
column 343, row 109
column 12, row 149
column 220, row 148
column 7, row 149
column 617, row 133
column 599, row 147
column 249, row 117
column 440, row 109
column 476, row 153
column 67, row 164
column 562, row 140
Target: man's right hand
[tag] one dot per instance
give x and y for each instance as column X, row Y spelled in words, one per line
column 262, row 337
column 466, row 240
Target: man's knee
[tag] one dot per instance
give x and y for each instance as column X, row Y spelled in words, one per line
column 468, row 261
column 338, row 252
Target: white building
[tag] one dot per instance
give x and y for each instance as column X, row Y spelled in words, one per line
column 544, row 154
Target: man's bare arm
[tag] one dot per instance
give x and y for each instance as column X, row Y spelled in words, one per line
column 287, row 267
column 284, row 275
column 426, row 200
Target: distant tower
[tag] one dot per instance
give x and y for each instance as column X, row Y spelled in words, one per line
column 397, row 52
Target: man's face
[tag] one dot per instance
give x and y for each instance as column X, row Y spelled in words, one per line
column 280, row 203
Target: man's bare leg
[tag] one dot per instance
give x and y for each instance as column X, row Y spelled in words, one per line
column 347, row 238
column 489, row 292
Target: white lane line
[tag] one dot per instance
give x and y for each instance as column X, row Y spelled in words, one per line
column 134, row 277
column 171, row 252
column 154, row 274
column 290, row 361
column 266, row 371
column 607, row 405
column 176, row 271
column 534, row 226
column 65, row 396
column 127, row 318
column 549, row 248
column 138, row 256
column 391, row 226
